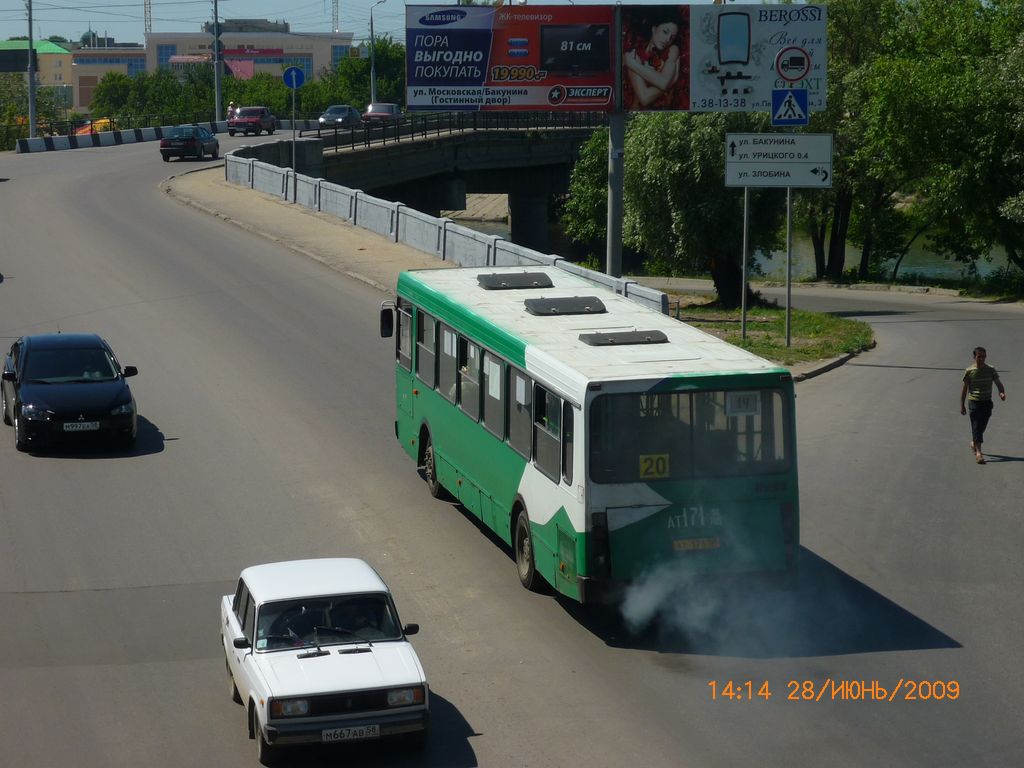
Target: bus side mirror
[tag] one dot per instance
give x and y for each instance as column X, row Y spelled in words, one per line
column 387, row 319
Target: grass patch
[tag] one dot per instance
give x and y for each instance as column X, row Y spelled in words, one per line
column 813, row 335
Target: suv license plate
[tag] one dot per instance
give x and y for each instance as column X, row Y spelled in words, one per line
column 81, row 426
column 351, row 734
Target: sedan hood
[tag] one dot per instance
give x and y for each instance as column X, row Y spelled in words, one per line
column 85, row 396
column 384, row 665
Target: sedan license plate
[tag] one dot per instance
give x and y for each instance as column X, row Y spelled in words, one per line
column 351, row 734
column 81, row 426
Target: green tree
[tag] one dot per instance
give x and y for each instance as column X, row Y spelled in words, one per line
column 678, row 214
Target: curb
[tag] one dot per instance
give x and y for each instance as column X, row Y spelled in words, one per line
column 824, row 368
column 166, row 188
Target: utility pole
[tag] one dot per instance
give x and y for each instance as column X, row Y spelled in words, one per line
column 373, row 64
column 216, row 63
column 31, row 77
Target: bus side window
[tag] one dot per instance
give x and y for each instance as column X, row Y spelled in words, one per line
column 448, row 364
column 426, row 346
column 494, row 396
column 404, row 340
column 547, row 431
column 567, row 440
column 469, row 378
column 520, row 412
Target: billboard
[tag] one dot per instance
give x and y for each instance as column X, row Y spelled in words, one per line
column 739, row 54
column 17, row 60
column 509, row 58
column 697, row 58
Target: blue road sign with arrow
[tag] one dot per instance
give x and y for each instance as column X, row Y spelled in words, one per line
column 294, row 77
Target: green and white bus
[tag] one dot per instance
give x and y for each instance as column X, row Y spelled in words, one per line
column 598, row 438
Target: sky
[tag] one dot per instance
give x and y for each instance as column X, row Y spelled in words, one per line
column 124, row 20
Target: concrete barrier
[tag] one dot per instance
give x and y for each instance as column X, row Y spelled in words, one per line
column 400, row 223
column 421, row 231
column 377, row 215
column 106, row 138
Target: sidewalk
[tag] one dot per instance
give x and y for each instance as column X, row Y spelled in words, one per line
column 348, row 249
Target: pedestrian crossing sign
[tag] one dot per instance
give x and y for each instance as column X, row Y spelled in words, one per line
column 789, row 107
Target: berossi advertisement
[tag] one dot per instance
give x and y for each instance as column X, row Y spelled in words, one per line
column 509, row 58
column 701, row 58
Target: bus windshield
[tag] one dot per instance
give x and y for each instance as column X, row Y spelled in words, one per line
column 655, row 436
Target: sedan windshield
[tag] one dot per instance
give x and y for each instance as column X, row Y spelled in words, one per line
column 182, row 132
column 249, row 112
column 325, row 621
column 62, row 366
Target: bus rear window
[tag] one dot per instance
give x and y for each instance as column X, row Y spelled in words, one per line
column 647, row 437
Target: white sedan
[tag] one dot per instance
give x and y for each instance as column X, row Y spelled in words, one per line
column 316, row 653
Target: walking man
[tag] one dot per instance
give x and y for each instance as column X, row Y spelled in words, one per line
column 977, row 391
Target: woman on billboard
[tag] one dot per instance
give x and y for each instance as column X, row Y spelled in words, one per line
column 654, row 52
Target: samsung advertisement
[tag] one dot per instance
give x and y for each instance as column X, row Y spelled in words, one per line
column 700, row 58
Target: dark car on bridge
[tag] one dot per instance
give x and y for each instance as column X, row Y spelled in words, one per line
column 60, row 387
column 382, row 113
column 252, row 120
column 340, row 116
column 189, row 141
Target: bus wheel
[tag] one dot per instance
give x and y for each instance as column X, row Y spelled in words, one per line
column 430, row 471
column 523, row 542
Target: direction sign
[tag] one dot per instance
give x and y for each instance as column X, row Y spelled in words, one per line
column 778, row 160
column 294, row 77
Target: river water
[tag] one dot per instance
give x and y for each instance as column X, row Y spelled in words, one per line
column 918, row 262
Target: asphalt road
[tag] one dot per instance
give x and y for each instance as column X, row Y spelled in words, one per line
column 267, row 434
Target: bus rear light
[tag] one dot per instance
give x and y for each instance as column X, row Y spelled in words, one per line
column 599, row 542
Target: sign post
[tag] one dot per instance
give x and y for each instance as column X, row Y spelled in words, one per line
column 776, row 160
column 293, row 78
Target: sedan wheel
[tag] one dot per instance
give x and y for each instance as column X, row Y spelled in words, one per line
column 265, row 753
column 3, row 405
column 19, row 443
column 200, row 155
column 216, row 151
column 235, row 695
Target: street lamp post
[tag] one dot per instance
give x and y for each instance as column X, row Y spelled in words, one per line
column 373, row 63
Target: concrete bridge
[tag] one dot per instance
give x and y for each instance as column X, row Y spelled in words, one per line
column 431, row 167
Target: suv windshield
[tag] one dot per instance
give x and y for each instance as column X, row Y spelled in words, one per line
column 325, row 621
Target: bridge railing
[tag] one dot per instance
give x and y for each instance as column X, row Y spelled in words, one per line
column 399, row 223
column 416, row 125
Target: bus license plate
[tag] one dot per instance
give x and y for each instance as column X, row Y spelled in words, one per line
column 351, row 734
column 81, row 426
column 691, row 545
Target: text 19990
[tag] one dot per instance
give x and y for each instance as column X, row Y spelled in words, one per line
column 838, row 690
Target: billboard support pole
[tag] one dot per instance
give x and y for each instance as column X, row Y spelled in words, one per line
column 746, row 246
column 31, row 78
column 616, row 162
